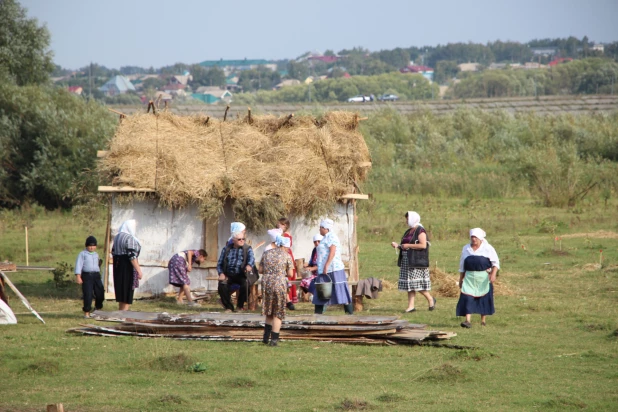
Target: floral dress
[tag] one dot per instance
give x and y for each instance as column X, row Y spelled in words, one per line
column 275, row 264
column 177, row 267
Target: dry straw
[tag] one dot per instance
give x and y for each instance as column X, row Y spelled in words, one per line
column 267, row 166
column 447, row 285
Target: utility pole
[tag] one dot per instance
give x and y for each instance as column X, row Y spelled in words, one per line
column 90, row 82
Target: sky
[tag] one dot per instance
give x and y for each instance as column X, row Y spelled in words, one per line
column 158, row 33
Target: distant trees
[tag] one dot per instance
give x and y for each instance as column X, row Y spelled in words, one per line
column 24, row 54
column 260, row 78
column 48, row 137
column 445, row 70
column 407, row 86
column 585, row 76
column 202, row 76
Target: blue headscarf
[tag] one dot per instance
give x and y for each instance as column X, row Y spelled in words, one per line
column 282, row 241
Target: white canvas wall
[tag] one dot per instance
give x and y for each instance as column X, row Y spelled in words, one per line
column 165, row 232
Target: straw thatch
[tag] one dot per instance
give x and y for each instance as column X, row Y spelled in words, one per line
column 268, row 166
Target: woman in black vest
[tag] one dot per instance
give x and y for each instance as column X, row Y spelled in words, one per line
column 414, row 262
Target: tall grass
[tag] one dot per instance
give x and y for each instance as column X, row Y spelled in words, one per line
column 558, row 160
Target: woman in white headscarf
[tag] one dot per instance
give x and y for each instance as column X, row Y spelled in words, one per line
column 276, row 264
column 478, row 267
column 127, row 270
column 413, row 262
column 331, row 269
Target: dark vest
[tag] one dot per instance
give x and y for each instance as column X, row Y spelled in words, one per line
column 417, row 258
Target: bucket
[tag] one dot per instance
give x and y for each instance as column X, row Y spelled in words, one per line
column 324, row 290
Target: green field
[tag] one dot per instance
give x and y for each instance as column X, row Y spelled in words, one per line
column 552, row 344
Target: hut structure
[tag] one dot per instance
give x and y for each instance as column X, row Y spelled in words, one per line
column 185, row 179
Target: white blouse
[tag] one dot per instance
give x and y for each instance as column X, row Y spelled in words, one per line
column 485, row 249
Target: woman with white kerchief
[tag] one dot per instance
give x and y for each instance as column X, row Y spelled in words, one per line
column 331, row 269
column 275, row 265
column 478, row 267
column 127, row 271
column 413, row 262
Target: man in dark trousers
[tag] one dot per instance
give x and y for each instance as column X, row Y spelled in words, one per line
column 235, row 259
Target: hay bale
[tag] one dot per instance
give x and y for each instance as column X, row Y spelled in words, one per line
column 267, row 164
column 447, row 285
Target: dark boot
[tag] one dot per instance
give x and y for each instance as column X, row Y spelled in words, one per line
column 319, row 309
column 267, row 329
column 274, row 339
column 349, row 308
column 290, row 306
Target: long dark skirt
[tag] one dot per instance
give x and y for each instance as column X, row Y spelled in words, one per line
column 483, row 305
column 123, row 279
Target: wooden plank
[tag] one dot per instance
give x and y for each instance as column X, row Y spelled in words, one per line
column 239, row 319
column 357, row 196
column 20, row 268
column 124, row 189
column 20, row 296
column 8, row 267
column 211, row 239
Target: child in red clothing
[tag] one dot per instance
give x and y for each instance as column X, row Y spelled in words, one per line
column 284, row 224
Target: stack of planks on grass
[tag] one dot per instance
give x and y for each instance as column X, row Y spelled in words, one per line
column 368, row 330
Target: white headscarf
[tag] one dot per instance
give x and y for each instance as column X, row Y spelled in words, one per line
column 236, row 228
column 273, row 233
column 327, row 224
column 282, row 241
column 414, row 219
column 478, row 232
column 128, row 226
column 317, row 237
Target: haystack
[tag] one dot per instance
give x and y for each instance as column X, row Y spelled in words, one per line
column 267, row 166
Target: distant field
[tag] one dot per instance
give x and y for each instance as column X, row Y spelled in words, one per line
column 540, row 105
column 552, row 344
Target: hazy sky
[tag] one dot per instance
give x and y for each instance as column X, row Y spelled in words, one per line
column 158, row 33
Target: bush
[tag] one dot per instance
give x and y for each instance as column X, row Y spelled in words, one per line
column 63, row 274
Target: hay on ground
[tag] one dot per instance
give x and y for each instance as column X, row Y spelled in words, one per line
column 298, row 165
column 447, row 285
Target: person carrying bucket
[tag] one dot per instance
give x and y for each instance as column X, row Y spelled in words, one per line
column 330, row 287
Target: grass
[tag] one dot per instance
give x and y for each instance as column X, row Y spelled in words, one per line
column 552, row 344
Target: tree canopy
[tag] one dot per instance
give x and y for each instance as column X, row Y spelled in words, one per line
column 24, row 54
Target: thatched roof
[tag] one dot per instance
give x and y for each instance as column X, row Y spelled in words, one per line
column 266, row 165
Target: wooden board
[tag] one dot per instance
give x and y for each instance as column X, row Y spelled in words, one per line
column 236, row 318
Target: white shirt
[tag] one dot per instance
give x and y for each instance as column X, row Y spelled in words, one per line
column 485, row 249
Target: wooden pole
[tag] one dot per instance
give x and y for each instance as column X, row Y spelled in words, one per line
column 117, row 112
column 249, row 115
column 287, row 120
column 27, row 262
column 20, row 296
column 108, row 236
column 225, row 114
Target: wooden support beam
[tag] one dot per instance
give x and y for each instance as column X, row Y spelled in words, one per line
column 117, row 112
column 225, row 114
column 122, row 189
column 357, row 196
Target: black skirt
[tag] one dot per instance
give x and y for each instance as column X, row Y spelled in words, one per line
column 123, row 279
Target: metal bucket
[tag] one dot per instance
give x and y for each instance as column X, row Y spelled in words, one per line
column 324, row 290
